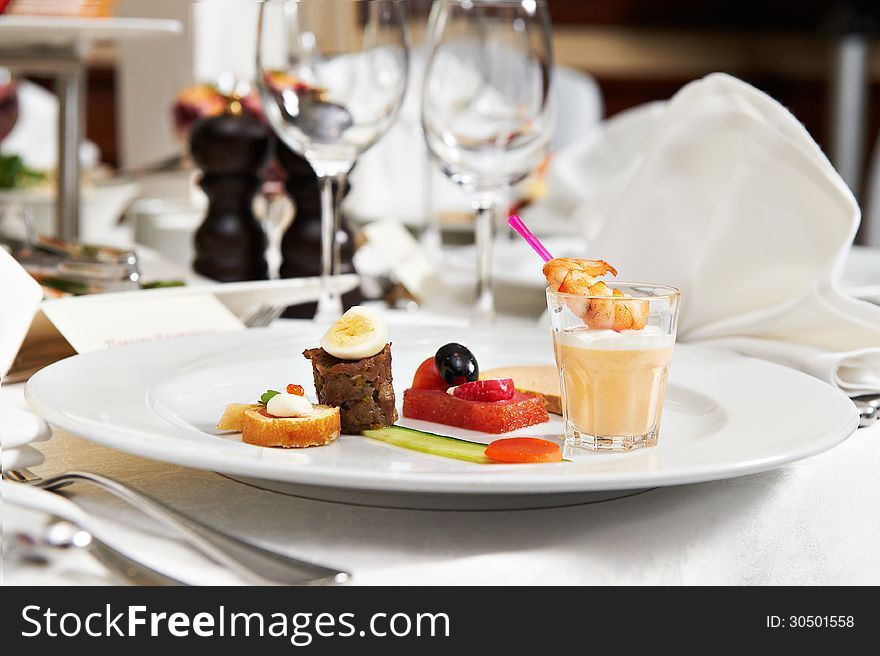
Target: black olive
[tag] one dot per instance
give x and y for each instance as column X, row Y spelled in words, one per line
column 456, row 361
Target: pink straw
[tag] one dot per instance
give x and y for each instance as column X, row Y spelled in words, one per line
column 517, row 224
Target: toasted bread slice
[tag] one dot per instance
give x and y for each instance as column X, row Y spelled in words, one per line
column 540, row 379
column 234, row 415
column 262, row 429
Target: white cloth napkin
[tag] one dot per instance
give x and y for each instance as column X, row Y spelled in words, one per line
column 20, row 295
column 721, row 192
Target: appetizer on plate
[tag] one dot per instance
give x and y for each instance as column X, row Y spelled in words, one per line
column 509, row 450
column 282, row 419
column 533, row 379
column 352, row 370
column 447, row 390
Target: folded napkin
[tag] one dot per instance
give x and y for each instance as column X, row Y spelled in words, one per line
column 722, row 192
column 20, row 295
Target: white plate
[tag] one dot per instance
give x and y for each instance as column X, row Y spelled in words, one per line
column 726, row 415
column 102, row 206
column 240, row 298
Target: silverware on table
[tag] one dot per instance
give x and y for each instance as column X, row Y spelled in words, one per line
column 252, row 563
column 62, row 535
column 264, row 315
column 128, row 569
column 868, row 406
column 76, row 267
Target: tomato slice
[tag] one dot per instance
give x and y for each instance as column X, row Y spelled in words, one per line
column 523, row 450
column 427, row 376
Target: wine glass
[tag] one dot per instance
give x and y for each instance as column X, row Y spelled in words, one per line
column 486, row 112
column 331, row 76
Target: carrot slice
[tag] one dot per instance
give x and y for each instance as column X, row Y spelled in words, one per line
column 523, row 450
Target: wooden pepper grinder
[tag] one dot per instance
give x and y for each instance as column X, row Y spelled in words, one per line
column 301, row 245
column 230, row 244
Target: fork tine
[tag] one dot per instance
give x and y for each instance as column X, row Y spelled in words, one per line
column 265, row 316
column 256, row 319
column 22, row 475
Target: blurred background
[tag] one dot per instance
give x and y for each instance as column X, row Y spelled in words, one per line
column 144, row 86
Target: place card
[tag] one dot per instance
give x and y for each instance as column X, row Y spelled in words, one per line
column 407, row 260
column 91, row 323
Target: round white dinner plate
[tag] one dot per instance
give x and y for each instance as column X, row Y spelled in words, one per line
column 726, row 415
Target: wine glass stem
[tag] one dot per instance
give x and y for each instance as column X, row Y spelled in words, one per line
column 484, row 233
column 431, row 239
column 330, row 302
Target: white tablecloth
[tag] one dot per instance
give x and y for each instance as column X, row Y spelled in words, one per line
column 813, row 522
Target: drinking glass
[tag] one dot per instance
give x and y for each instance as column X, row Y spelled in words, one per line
column 331, row 76
column 486, row 111
column 613, row 382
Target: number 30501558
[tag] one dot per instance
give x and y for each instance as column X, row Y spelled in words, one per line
column 810, row 621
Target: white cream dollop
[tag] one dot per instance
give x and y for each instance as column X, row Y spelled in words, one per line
column 359, row 333
column 289, row 405
column 646, row 338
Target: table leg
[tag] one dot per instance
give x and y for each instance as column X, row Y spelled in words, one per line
column 70, row 86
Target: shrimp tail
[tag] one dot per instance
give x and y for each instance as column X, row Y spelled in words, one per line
column 558, row 268
column 578, row 278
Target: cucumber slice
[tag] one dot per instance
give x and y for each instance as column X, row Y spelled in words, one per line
column 431, row 443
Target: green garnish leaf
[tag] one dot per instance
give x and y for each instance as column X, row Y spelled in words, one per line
column 268, row 395
column 161, row 284
column 64, row 285
column 15, row 173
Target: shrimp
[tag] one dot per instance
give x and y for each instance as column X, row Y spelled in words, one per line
column 578, row 277
column 558, row 268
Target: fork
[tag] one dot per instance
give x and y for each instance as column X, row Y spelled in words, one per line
column 63, row 534
column 254, row 564
column 264, row 316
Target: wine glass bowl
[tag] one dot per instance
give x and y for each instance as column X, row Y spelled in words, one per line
column 486, row 106
column 331, row 76
column 487, row 124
